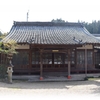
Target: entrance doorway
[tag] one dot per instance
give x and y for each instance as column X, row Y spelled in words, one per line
column 53, row 61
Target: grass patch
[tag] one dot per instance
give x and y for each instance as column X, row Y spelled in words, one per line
column 92, row 78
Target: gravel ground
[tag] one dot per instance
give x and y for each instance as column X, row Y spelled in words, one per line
column 79, row 90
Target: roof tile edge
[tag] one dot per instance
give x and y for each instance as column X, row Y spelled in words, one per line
column 46, row 24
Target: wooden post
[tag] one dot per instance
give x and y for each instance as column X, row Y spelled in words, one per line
column 85, row 62
column 41, row 65
column 93, row 57
column 69, row 64
column 30, row 59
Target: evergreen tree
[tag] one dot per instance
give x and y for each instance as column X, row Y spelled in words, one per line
column 58, row 20
column 94, row 27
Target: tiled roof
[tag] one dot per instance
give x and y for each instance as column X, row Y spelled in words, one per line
column 96, row 35
column 49, row 33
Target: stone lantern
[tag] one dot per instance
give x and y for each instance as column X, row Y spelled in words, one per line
column 10, row 68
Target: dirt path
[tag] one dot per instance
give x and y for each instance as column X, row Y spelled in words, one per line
column 50, row 90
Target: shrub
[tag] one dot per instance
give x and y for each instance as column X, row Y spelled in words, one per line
column 3, row 70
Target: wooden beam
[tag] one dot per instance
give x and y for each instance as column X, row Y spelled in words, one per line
column 55, row 46
column 55, row 51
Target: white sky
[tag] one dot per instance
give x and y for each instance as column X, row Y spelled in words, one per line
column 46, row 10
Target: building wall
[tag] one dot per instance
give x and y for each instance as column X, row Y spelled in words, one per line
column 26, row 46
column 23, row 46
column 29, row 61
column 86, row 47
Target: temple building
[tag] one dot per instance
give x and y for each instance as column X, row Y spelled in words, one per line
column 48, row 47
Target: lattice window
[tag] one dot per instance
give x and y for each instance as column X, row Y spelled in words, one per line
column 22, row 58
column 47, row 58
column 89, row 57
column 80, row 57
column 72, row 57
column 97, row 58
column 35, row 58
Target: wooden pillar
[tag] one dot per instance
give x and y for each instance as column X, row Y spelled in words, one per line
column 93, row 56
column 41, row 65
column 69, row 64
column 30, row 59
column 85, row 62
